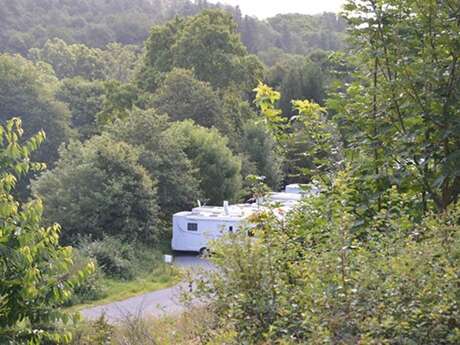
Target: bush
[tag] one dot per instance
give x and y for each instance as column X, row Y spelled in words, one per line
column 311, row 280
column 162, row 157
column 115, row 258
column 120, row 260
column 190, row 327
column 92, row 288
column 98, row 332
column 99, row 188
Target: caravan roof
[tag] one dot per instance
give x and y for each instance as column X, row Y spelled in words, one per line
column 237, row 212
column 310, row 189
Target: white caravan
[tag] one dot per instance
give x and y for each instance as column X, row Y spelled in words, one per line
column 193, row 229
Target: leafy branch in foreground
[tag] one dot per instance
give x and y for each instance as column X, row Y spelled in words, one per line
column 34, row 269
column 401, row 112
column 309, row 140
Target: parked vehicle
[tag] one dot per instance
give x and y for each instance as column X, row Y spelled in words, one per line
column 192, row 230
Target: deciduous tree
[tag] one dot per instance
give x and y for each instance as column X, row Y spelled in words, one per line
column 35, row 270
column 99, row 188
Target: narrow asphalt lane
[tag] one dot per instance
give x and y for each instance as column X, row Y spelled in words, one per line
column 158, row 303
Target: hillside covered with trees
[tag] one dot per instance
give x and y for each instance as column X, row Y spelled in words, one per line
column 115, row 114
column 26, row 24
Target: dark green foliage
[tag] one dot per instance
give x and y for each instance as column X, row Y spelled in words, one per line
column 258, row 36
column 27, row 91
column 236, row 113
column 162, row 156
column 300, row 34
column 297, row 78
column 99, row 188
column 182, row 97
column 208, row 44
column 28, row 23
column 115, row 258
column 84, row 100
column 217, row 168
column 260, row 149
column 158, row 59
column 115, row 61
column 119, row 99
column 290, row 34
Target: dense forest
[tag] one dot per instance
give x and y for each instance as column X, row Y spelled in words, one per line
column 115, row 114
column 26, row 24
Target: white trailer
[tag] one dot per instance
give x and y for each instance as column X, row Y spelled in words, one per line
column 192, row 230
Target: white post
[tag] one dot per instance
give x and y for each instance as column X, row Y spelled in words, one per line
column 168, row 259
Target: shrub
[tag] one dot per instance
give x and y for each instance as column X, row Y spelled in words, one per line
column 115, row 258
column 311, row 280
column 99, row 188
column 98, row 332
column 92, row 288
column 162, row 157
column 190, row 327
column 120, row 260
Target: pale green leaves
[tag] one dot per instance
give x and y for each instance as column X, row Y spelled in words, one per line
column 34, row 278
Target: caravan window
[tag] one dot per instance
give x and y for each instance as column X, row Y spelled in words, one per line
column 192, row 226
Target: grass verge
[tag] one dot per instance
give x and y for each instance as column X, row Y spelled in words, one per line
column 119, row 290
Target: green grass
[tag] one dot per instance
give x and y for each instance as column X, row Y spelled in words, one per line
column 119, row 290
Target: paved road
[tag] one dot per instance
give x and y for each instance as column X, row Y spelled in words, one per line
column 192, row 262
column 157, row 303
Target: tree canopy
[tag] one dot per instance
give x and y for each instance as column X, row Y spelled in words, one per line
column 27, row 91
column 115, row 61
column 181, row 96
column 99, row 188
column 163, row 158
column 92, row 22
column 84, row 100
column 400, row 115
column 208, row 44
column 217, row 166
